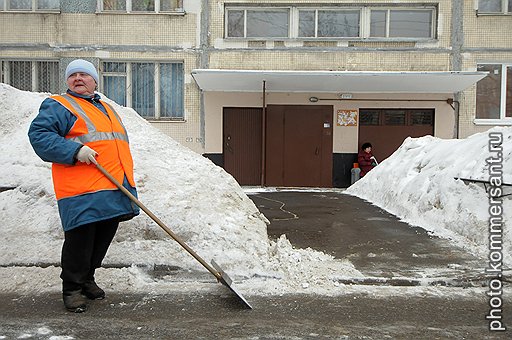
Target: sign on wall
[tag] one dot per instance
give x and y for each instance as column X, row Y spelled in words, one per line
column 346, row 118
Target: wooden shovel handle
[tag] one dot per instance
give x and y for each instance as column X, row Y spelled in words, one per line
column 156, row 219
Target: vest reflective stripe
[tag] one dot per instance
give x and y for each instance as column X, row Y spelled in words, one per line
column 97, row 136
column 117, row 117
column 93, row 135
column 79, row 111
column 107, row 136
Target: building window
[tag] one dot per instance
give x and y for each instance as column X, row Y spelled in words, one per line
column 137, row 6
column 422, row 117
column 401, row 23
column 258, row 23
column 495, row 7
column 114, row 5
column 27, row 75
column 154, row 90
column 494, row 92
column 30, row 5
column 369, row 117
column 396, row 117
column 330, row 22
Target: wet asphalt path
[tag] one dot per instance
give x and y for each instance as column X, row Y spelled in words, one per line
column 376, row 242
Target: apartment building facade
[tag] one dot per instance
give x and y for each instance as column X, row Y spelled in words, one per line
column 279, row 93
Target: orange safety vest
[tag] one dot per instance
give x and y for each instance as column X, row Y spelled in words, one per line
column 106, row 136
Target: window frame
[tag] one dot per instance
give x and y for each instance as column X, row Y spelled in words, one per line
column 503, row 119
column 506, row 9
column 5, row 7
column 129, row 5
column 256, row 9
column 128, row 74
column 364, row 21
column 408, row 113
column 316, row 10
column 35, row 70
column 388, row 24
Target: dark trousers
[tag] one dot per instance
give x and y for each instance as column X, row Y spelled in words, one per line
column 83, row 251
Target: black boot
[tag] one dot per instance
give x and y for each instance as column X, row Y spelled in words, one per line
column 74, row 301
column 91, row 290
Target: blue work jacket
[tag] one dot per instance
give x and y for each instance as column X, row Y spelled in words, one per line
column 47, row 135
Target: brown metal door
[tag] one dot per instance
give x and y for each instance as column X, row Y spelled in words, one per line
column 242, row 144
column 386, row 129
column 299, row 146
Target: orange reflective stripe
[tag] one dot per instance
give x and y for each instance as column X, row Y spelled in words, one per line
column 107, row 136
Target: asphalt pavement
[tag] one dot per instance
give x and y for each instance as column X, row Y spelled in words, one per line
column 376, row 242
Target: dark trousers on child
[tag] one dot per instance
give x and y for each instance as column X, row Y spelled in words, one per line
column 83, row 251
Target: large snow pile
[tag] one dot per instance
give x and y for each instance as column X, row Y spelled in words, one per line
column 199, row 201
column 418, row 184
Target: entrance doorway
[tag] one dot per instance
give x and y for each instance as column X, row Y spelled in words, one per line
column 298, row 145
column 242, row 144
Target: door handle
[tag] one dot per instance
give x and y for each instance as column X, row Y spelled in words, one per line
column 228, row 145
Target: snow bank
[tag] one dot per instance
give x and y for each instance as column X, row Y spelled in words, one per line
column 417, row 183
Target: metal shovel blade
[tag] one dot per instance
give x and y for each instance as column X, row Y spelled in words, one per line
column 226, row 281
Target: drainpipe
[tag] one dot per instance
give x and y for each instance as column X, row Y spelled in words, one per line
column 450, row 102
column 204, row 57
column 263, row 133
column 457, row 43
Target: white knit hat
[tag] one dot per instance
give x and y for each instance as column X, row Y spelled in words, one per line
column 80, row 65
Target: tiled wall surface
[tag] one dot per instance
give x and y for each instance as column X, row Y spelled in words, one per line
column 462, row 41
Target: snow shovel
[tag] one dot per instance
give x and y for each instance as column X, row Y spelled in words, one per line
column 217, row 271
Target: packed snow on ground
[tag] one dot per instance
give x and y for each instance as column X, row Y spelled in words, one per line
column 196, row 199
column 418, row 184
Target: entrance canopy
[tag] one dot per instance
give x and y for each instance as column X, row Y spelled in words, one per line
column 334, row 81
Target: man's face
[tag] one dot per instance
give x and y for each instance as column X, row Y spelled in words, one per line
column 368, row 149
column 81, row 83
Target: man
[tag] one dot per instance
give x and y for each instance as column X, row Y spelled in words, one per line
column 69, row 131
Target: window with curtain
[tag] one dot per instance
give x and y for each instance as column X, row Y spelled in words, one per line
column 48, row 76
column 154, row 90
column 30, row 75
column 20, row 75
column 171, row 84
column 143, row 89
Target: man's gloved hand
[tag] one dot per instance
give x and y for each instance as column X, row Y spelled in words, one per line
column 85, row 153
